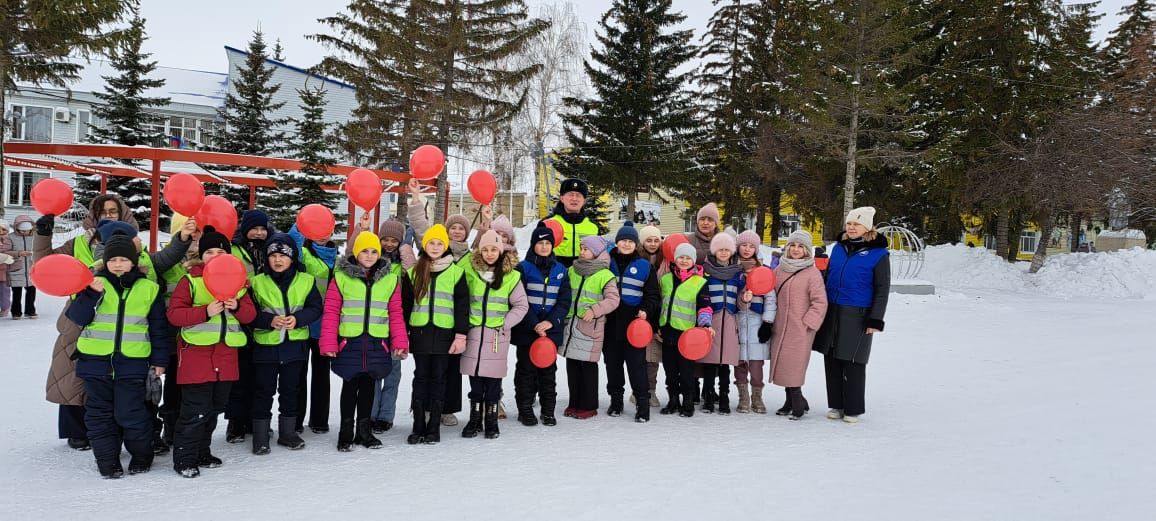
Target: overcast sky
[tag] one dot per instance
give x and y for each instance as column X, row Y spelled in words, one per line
column 193, row 35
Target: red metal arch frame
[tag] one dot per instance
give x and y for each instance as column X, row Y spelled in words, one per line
column 50, row 160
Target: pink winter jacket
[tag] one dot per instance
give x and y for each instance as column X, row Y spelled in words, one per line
column 331, row 342
column 488, row 350
column 802, row 304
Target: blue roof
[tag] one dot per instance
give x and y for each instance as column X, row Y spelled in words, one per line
column 297, row 69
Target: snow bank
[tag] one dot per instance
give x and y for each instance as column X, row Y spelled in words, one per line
column 1119, row 274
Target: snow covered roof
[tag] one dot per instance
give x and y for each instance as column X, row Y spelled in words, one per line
column 284, row 65
column 187, row 86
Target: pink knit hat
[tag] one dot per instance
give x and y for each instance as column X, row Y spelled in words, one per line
column 491, row 238
column 749, row 237
column 722, row 241
column 502, row 225
column 710, row 210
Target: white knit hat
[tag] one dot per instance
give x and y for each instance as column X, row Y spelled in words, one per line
column 803, row 238
column 864, row 215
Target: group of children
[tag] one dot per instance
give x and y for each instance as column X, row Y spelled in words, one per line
column 456, row 308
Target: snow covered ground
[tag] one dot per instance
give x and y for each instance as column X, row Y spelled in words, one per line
column 1002, row 397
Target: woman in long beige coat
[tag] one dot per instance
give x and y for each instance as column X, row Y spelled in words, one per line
column 802, row 304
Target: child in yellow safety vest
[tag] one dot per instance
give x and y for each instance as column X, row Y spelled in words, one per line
column 287, row 302
column 593, row 295
column 125, row 337
column 207, row 348
column 685, row 304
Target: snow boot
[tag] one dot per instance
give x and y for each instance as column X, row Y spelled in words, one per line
column 501, row 411
column 673, row 406
column 111, row 470
column 835, row 414
column 547, row 404
column 140, row 465
column 475, row 424
column 526, row 415
column 209, row 461
column 491, row 420
column 642, row 411
column 744, row 399
column 345, row 436
column 757, row 405
column 724, row 403
column 235, row 432
column 287, row 433
column 449, row 420
column 615, row 409
column 786, row 408
column 708, row 401
column 381, row 426
column 261, row 437
column 365, row 434
column 187, row 471
column 79, row 444
column 433, row 432
column 419, row 423
column 799, row 405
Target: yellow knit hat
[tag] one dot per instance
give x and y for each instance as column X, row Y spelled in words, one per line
column 438, row 232
column 366, row 241
column 177, row 221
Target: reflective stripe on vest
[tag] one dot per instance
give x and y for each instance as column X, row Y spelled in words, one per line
column 724, row 294
column 361, row 308
column 99, row 338
column 678, row 304
column 222, row 328
column 441, row 305
column 542, row 293
column 242, row 255
column 632, row 280
column 587, row 291
column 172, row 278
column 270, row 299
column 571, row 246
column 82, row 251
column 489, row 306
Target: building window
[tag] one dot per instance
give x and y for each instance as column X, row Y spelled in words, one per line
column 184, row 132
column 29, row 123
column 1028, row 241
column 83, row 125
column 19, row 187
column 788, row 224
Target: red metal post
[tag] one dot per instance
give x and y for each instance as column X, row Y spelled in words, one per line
column 377, row 217
column 349, row 230
column 103, row 184
column 155, row 206
column 252, row 196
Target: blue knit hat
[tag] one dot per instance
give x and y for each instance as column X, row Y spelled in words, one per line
column 108, row 227
column 252, row 219
column 628, row 232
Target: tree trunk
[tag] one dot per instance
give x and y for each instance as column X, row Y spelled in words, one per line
column 448, row 70
column 1074, row 240
column 1041, row 254
column 1001, row 233
column 3, row 118
column 852, row 145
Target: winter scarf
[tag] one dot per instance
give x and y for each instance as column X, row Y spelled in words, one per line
column 441, row 263
column 486, row 271
column 684, row 274
column 586, row 268
column 749, row 264
column 459, row 249
column 727, row 272
column 792, row 265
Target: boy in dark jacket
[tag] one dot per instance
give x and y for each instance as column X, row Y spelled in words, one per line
column 125, row 337
column 547, row 288
column 287, row 303
column 641, row 298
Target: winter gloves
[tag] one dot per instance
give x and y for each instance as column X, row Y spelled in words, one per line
column 765, row 332
column 704, row 318
column 45, row 224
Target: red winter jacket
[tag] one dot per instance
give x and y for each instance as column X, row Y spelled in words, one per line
column 202, row 364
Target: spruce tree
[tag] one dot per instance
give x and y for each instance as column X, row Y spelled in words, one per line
column 312, row 145
column 1136, row 24
column 248, row 126
column 631, row 133
column 130, row 119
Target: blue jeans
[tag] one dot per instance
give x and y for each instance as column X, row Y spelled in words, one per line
column 385, row 394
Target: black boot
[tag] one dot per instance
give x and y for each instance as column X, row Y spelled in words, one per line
column 419, row 423
column 724, row 403
column 799, row 405
column 475, row 424
column 615, row 409
column 365, row 434
column 287, row 433
column 547, row 406
column 159, row 445
column 345, row 436
column 491, row 420
column 708, row 401
column 433, row 426
column 235, row 432
column 673, row 406
column 140, row 465
column 526, row 413
column 79, row 444
column 786, row 408
column 261, row 437
column 111, row 470
column 687, row 409
column 642, row 409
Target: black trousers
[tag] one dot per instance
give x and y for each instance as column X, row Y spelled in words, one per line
column 240, row 406
column 283, row 379
column 582, row 379
column 530, row 381
column 453, row 395
column 70, row 422
column 720, row 371
column 846, row 385
column 114, row 412
column 200, row 406
column 23, row 301
column 615, row 355
column 485, row 389
column 170, row 409
column 313, row 388
column 680, row 380
column 357, row 397
column 429, row 377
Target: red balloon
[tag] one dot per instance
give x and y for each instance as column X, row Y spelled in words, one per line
column 761, row 280
column 670, row 243
column 694, row 344
column 556, row 227
column 543, row 352
column 426, row 162
column 51, row 196
column 482, row 186
column 184, row 194
column 60, row 275
column 224, row 276
column 639, row 333
column 316, row 222
column 219, row 213
column 363, row 188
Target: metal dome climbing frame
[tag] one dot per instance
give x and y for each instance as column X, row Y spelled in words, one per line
column 907, row 251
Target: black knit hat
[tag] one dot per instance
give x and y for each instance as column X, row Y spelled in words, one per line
column 211, row 238
column 120, row 245
column 542, row 233
column 574, row 185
